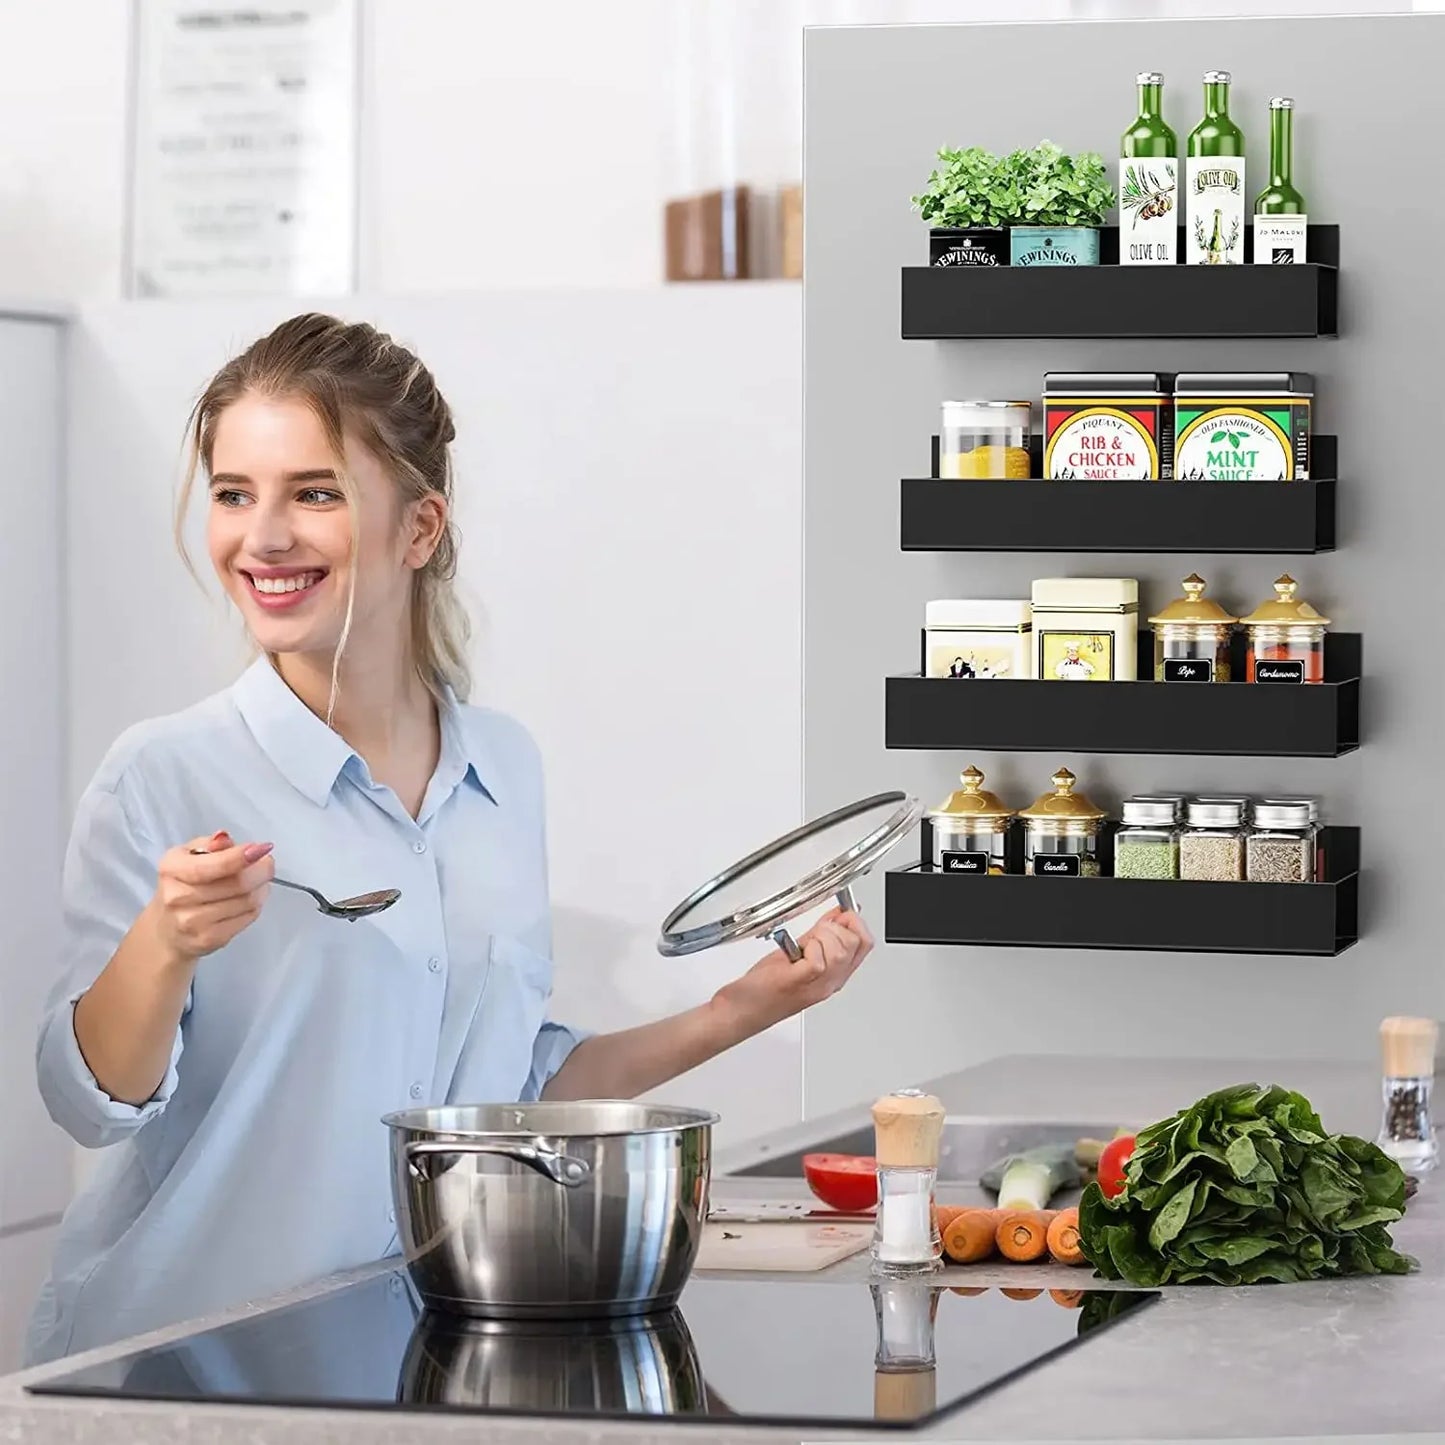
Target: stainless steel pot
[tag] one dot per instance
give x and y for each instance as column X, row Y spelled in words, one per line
column 550, row 1210
column 643, row 1366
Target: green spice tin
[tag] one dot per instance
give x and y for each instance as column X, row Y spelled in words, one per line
column 1242, row 426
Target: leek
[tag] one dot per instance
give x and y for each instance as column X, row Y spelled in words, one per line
column 1029, row 1180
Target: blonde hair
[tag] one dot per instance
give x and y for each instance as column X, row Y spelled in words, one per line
column 355, row 378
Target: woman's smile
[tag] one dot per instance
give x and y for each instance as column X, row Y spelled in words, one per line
column 280, row 588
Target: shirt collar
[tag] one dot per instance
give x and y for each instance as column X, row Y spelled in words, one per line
column 311, row 755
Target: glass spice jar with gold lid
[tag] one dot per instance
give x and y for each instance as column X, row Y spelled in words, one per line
column 1191, row 637
column 1286, row 638
column 970, row 830
column 1062, row 832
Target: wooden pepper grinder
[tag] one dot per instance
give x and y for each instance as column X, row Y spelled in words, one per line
column 907, row 1129
column 1407, row 1046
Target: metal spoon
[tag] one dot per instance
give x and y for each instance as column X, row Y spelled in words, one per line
column 362, row 906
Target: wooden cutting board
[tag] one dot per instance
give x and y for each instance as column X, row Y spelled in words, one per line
column 785, row 1245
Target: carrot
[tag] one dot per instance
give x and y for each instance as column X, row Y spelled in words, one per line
column 946, row 1214
column 1021, row 1293
column 968, row 1291
column 1070, row 1299
column 970, row 1236
column 1063, row 1237
column 1022, row 1235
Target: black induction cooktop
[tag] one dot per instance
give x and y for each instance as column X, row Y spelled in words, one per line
column 847, row 1354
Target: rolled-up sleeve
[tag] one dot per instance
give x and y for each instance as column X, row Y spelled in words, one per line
column 109, row 877
column 554, row 1042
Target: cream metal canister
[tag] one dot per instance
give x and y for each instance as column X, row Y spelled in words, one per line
column 1086, row 629
column 979, row 639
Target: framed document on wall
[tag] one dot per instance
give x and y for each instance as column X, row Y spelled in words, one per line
column 243, row 148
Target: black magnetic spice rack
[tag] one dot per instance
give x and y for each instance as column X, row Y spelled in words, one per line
column 1205, row 719
column 1109, row 300
column 1274, row 518
column 922, row 904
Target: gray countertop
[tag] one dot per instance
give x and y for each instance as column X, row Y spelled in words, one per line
column 1349, row 1359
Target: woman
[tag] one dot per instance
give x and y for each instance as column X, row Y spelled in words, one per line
column 237, row 1045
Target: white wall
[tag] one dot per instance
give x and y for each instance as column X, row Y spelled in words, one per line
column 34, row 1173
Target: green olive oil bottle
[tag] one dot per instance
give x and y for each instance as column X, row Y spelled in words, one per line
column 1148, row 182
column 1280, row 218
column 1214, row 178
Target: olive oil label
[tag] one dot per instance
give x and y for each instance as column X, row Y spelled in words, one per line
column 1180, row 669
column 1103, row 445
column 1216, row 210
column 1279, row 671
column 1233, row 444
column 1280, row 240
column 1062, row 865
column 965, row 863
column 1077, row 656
column 1148, row 211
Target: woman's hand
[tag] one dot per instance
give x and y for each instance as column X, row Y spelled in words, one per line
column 207, row 891
column 776, row 988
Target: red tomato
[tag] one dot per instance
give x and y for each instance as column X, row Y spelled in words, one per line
column 843, row 1181
column 1111, row 1165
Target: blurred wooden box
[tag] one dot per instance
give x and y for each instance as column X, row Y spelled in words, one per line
column 792, row 231
column 707, row 236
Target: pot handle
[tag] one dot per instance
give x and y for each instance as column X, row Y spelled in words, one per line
column 562, row 1169
column 785, row 940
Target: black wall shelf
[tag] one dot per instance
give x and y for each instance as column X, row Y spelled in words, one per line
column 1277, row 518
column 1147, row 302
column 925, row 906
column 1233, row 719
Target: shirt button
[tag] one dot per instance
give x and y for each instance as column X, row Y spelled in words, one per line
column 415, row 1091
column 435, row 964
column 419, row 846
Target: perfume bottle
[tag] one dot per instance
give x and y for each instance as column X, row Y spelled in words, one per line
column 907, row 1127
column 905, row 1380
column 1406, row 1133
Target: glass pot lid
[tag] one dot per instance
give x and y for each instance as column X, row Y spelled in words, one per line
column 1194, row 606
column 1285, row 609
column 759, row 895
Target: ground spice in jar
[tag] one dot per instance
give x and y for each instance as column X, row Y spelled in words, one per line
column 1280, row 860
column 1146, row 858
column 1211, row 856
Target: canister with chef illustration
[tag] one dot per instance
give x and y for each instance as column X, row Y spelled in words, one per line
column 1086, row 629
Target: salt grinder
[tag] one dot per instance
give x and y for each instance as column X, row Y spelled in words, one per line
column 907, row 1128
column 1406, row 1134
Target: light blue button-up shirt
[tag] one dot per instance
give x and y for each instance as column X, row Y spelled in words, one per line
column 261, row 1162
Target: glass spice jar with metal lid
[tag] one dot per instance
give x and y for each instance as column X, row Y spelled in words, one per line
column 1191, row 637
column 1286, row 638
column 986, row 439
column 970, row 830
column 1280, row 847
column 1212, row 846
column 1147, row 845
column 1062, row 832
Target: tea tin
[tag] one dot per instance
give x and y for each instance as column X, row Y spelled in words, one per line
column 1108, row 426
column 1242, row 426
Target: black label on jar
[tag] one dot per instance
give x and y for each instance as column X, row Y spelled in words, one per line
column 1062, row 865
column 965, row 863
column 1188, row 669
column 1279, row 671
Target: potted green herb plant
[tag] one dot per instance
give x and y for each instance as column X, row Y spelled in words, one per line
column 1063, row 201
column 968, row 202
